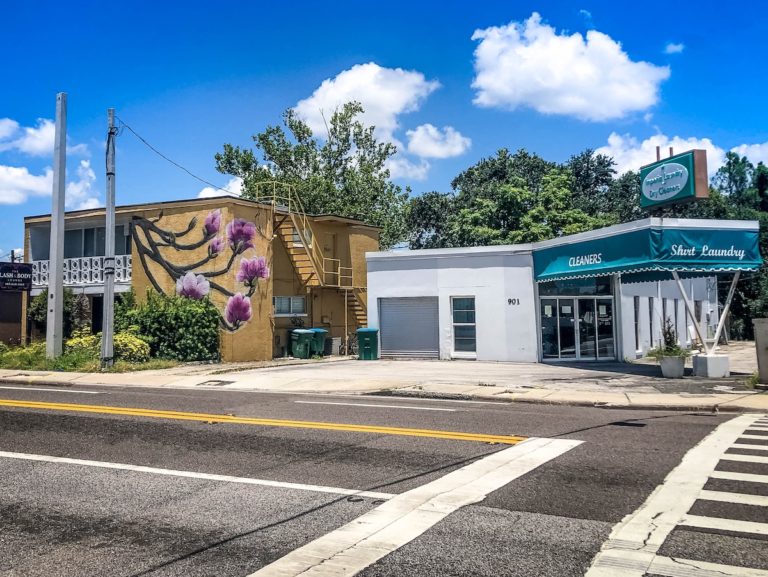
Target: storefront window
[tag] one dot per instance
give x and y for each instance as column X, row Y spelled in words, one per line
column 600, row 285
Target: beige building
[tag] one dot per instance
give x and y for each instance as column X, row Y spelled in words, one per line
column 265, row 265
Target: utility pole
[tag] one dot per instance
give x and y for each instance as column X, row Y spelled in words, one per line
column 109, row 249
column 55, row 325
column 13, row 256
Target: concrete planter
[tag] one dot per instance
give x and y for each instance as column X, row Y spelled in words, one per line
column 761, row 344
column 672, row 367
column 711, row 367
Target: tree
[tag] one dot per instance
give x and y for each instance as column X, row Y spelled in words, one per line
column 591, row 180
column 37, row 311
column 734, row 178
column 429, row 218
column 346, row 175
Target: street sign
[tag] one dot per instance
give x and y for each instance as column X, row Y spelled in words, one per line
column 679, row 178
column 15, row 277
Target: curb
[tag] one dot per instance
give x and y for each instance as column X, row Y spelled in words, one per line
column 554, row 402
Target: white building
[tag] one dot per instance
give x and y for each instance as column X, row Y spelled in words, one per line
column 599, row 295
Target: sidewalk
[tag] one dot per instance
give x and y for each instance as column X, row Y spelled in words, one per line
column 619, row 385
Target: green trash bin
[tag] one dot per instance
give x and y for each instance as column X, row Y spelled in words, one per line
column 301, row 343
column 367, row 344
column 318, row 341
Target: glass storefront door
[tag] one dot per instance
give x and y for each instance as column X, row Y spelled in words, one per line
column 577, row 328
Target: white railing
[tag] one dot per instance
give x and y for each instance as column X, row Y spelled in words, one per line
column 87, row 270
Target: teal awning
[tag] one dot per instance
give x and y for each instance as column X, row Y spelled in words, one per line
column 652, row 247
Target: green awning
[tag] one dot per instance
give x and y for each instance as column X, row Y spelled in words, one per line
column 651, row 249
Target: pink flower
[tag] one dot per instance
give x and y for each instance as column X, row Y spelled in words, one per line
column 192, row 286
column 212, row 222
column 241, row 233
column 252, row 269
column 238, row 309
column 216, row 246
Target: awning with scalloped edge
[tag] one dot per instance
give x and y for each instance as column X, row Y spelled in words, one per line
column 651, row 249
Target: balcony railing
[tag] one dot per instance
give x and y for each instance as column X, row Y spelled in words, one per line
column 87, row 270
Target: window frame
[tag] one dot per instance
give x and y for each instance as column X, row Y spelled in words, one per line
column 459, row 353
column 291, row 300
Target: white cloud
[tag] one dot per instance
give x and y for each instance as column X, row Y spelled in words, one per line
column 8, row 128
column 233, row 188
column 592, row 78
column 17, row 184
column 674, row 48
column 80, row 194
column 385, row 93
column 630, row 154
column 33, row 140
column 427, row 141
column 754, row 152
column 401, row 167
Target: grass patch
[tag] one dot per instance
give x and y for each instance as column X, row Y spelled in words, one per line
column 752, row 381
column 32, row 358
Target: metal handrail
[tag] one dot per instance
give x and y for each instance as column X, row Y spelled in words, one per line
column 302, row 224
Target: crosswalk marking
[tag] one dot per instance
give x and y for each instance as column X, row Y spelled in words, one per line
column 720, row 524
column 760, row 437
column 745, row 458
column 740, row 498
column 689, row 568
column 632, row 547
column 751, row 447
column 360, row 543
column 732, row 476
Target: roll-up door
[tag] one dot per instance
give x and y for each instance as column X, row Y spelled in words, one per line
column 409, row 327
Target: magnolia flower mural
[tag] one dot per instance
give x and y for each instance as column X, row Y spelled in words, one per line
column 192, row 286
column 197, row 280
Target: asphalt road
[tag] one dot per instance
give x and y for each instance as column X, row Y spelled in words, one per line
column 178, row 492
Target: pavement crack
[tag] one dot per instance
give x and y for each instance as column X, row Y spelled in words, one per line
column 694, row 566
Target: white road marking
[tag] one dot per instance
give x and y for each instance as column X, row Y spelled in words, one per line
column 690, row 568
column 731, row 476
column 760, row 437
column 725, row 524
column 634, row 542
column 758, row 428
column 740, row 498
column 57, row 390
column 350, row 549
column 376, row 405
column 617, row 562
column 745, row 446
column 744, row 458
column 195, row 475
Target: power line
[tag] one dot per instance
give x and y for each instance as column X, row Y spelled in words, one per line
column 173, row 162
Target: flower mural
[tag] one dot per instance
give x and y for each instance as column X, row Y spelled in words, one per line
column 201, row 278
column 192, row 286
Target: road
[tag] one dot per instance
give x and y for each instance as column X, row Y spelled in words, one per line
column 135, row 481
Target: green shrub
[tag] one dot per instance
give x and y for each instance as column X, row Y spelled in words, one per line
column 83, row 343
column 130, row 348
column 176, row 327
column 37, row 311
column 4, row 348
column 31, row 357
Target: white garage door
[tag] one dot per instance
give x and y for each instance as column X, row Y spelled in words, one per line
column 409, row 327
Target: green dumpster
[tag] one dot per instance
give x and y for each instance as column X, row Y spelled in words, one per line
column 301, row 343
column 318, row 341
column 367, row 344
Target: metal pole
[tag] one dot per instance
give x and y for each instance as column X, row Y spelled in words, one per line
column 55, row 323
column 109, row 248
column 346, row 325
column 13, row 256
column 689, row 308
column 724, row 314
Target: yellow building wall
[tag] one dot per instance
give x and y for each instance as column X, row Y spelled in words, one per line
column 253, row 339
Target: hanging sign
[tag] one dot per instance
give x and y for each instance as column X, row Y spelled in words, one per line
column 679, row 178
column 15, row 276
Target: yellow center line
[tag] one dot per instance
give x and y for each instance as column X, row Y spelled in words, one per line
column 218, row 418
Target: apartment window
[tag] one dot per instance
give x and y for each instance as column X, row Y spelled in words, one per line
column 464, row 329
column 650, row 318
column 289, row 305
column 637, row 323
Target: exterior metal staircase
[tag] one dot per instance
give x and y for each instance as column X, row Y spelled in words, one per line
column 313, row 269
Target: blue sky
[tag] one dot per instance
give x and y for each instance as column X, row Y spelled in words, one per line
column 448, row 82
